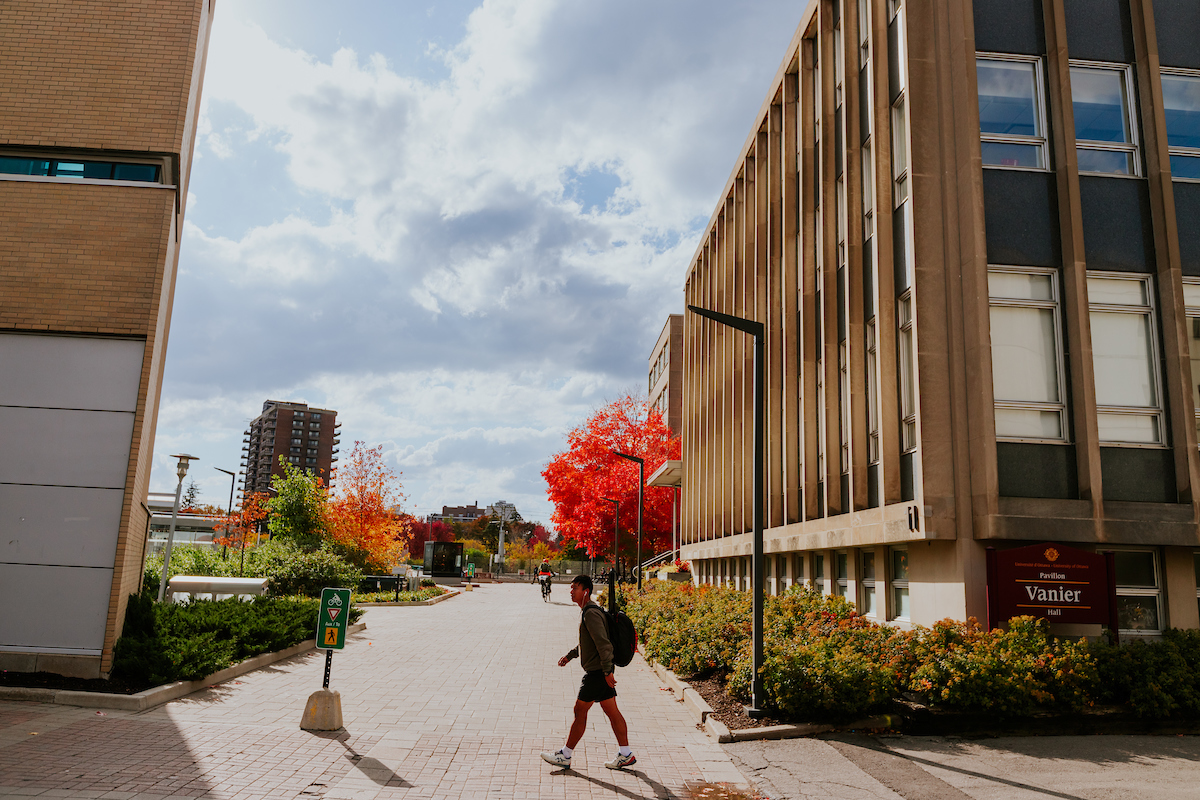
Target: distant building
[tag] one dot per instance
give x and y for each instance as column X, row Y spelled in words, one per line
column 189, row 528
column 97, row 123
column 666, row 373
column 306, row 437
column 458, row 513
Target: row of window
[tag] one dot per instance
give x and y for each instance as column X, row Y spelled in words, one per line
column 1028, row 374
column 1012, row 116
column 1140, row 589
column 77, row 168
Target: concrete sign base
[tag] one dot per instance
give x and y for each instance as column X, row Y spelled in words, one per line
column 323, row 711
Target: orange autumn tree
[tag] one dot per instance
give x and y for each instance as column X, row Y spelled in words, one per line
column 362, row 524
column 587, row 471
column 241, row 529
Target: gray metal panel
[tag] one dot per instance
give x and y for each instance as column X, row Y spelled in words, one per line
column 65, row 448
column 70, row 372
column 61, row 526
column 60, row 609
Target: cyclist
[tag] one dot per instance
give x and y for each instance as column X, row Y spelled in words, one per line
column 544, row 576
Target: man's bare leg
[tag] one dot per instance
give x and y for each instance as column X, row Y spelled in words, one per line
column 580, row 723
column 619, row 727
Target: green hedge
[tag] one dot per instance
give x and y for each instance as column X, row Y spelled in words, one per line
column 289, row 568
column 166, row 642
column 821, row 659
column 428, row 593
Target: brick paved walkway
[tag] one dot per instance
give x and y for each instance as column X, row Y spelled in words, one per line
column 454, row 700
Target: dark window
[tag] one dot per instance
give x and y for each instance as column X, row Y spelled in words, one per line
column 79, row 168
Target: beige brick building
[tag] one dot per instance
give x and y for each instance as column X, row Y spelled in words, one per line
column 98, row 108
column 969, row 229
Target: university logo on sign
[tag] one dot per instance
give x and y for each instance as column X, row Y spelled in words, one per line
column 1052, row 581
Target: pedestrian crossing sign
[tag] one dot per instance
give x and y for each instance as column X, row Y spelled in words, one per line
column 332, row 618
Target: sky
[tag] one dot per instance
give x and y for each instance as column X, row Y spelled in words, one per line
column 462, row 226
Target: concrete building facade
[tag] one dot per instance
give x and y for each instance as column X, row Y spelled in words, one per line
column 304, row 437
column 98, row 108
column 665, row 384
column 968, row 228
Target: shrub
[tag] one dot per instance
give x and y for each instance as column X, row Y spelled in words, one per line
column 428, row 593
column 165, row 642
column 693, row 630
column 1013, row 672
column 289, row 568
column 1155, row 679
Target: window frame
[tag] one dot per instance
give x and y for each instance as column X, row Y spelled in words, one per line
column 1140, row 591
column 1192, row 315
column 1150, row 310
column 874, row 445
column 907, row 372
column 897, row 584
column 867, row 582
column 1055, row 305
column 1134, row 146
column 1041, row 141
column 1186, row 152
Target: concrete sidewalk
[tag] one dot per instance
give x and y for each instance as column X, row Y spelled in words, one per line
column 454, row 700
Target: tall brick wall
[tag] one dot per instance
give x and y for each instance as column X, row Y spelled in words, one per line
column 88, row 74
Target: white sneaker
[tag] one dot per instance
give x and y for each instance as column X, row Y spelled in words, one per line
column 620, row 762
column 558, row 758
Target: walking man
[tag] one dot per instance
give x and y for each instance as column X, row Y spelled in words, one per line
column 599, row 684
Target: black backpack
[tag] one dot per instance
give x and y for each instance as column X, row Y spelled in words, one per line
column 623, row 636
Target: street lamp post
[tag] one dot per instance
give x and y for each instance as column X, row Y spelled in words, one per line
column 181, row 470
column 229, row 513
column 641, row 485
column 612, row 581
column 756, row 330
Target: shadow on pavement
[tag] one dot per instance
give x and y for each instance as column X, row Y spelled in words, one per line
column 660, row 791
column 373, row 768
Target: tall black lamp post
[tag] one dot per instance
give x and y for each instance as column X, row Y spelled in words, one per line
column 641, row 486
column 229, row 513
column 612, row 573
column 756, row 330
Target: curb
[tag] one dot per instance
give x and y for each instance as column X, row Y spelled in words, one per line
column 703, row 713
column 144, row 700
column 432, row 602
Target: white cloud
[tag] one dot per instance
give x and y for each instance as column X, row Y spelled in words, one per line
column 462, row 266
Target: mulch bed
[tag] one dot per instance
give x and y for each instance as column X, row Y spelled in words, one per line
column 49, row 680
column 726, row 709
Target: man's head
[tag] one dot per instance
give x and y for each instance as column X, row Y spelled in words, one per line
column 581, row 589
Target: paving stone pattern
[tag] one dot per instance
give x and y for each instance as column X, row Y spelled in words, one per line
column 454, row 700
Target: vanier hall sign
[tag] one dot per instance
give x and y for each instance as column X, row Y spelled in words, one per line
column 1052, row 581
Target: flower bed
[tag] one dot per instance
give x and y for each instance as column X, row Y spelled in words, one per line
column 824, row 661
column 427, row 593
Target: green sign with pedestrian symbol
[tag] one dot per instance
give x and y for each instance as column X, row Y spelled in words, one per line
column 332, row 622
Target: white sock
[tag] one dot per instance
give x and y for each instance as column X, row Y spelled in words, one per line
column 624, row 750
column 566, row 751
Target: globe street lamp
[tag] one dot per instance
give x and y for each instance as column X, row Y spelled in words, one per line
column 181, row 470
column 641, row 484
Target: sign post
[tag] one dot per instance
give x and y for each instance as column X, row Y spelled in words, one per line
column 323, row 712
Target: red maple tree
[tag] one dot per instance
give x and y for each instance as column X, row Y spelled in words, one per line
column 588, row 471
column 425, row 531
column 241, row 528
column 363, row 520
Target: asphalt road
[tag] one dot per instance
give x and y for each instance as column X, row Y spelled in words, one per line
column 939, row 768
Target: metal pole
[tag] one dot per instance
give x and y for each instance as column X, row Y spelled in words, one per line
column 641, row 486
column 758, row 331
column 756, row 708
column 162, row 584
column 328, row 664
column 229, row 513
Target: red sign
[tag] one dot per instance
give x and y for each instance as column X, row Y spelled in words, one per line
column 1052, row 581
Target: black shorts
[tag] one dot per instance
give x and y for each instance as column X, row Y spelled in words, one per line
column 594, row 689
